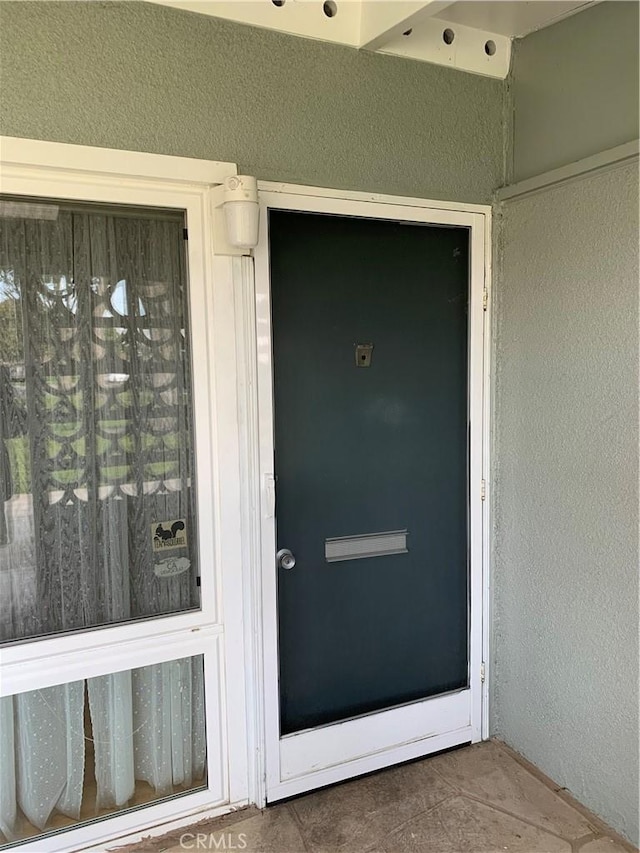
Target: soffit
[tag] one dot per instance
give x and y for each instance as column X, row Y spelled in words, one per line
column 471, row 35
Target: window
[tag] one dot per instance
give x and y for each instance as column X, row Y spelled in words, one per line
column 97, row 512
column 117, row 427
column 111, row 689
column 73, row 752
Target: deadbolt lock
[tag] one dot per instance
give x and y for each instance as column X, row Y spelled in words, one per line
column 363, row 355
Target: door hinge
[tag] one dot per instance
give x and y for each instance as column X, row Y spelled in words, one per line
column 485, row 299
column 185, row 234
column 270, row 495
column 482, row 672
column 483, row 490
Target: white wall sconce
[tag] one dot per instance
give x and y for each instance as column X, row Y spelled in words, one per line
column 236, row 215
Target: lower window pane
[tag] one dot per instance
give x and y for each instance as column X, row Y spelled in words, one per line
column 91, row 748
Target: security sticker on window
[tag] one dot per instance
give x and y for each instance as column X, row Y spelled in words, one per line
column 168, row 535
column 171, row 566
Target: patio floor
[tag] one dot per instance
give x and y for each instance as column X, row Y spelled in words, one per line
column 477, row 799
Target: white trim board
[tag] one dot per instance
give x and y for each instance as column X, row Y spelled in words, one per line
column 486, row 467
column 608, row 159
column 17, row 151
column 378, row 198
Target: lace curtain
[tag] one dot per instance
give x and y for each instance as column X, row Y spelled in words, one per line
column 95, row 419
column 97, row 522
column 147, row 725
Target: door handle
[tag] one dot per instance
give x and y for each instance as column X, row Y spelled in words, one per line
column 285, row 559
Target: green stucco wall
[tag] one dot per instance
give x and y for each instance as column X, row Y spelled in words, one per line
column 575, row 88
column 565, row 421
column 565, row 489
column 151, row 78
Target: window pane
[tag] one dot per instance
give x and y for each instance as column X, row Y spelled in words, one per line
column 92, row 748
column 97, row 516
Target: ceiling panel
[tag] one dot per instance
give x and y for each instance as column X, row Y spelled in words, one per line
column 510, row 17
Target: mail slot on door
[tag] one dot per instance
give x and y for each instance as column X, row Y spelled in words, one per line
column 365, row 545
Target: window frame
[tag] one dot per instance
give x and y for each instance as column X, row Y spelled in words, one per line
column 48, row 170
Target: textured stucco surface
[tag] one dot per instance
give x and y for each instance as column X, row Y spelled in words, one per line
column 575, row 88
column 565, row 489
column 151, row 78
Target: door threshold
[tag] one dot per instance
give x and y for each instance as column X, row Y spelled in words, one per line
column 373, row 713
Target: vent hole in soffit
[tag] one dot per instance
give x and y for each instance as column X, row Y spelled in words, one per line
column 330, row 8
column 490, row 47
column 448, row 36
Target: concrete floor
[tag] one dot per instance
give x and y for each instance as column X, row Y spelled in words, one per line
column 478, row 799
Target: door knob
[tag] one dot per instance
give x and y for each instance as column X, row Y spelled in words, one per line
column 285, row 559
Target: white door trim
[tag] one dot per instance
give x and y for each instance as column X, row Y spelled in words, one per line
column 377, row 198
column 269, row 772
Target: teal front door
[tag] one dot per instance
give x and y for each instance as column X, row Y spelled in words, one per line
column 371, row 420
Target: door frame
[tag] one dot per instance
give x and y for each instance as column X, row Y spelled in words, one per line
column 259, row 485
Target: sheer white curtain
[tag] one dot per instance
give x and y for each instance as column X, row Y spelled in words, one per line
column 111, row 705
column 169, row 724
column 149, row 725
column 42, row 755
column 96, row 471
column 8, row 792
